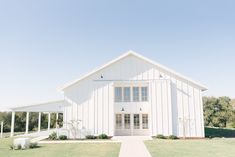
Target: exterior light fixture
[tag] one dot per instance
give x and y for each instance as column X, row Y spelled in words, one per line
column 123, row 109
column 140, row 109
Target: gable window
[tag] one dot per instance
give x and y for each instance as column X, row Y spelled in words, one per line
column 144, row 93
column 118, row 94
column 136, row 94
column 127, row 94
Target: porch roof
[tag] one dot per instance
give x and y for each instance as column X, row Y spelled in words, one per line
column 52, row 106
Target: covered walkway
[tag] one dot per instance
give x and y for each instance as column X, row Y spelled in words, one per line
column 48, row 108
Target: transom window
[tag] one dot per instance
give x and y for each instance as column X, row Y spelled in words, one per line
column 118, row 94
column 136, row 94
column 144, row 93
column 128, row 94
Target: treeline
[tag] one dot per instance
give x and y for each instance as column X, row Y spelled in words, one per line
column 20, row 121
column 219, row 112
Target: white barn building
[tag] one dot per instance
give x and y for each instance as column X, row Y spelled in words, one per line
column 130, row 95
column 133, row 95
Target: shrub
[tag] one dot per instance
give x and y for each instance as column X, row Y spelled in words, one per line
column 173, row 137
column 53, row 136
column 91, row 137
column 11, row 147
column 160, row 136
column 63, row 137
column 18, row 147
column 33, row 145
column 103, row 136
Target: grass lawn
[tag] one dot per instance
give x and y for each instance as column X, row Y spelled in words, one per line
column 192, row 148
column 61, row 150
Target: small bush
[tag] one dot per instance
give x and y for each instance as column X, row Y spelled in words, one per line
column 11, row 147
column 53, row 136
column 91, row 137
column 173, row 137
column 160, row 136
column 63, row 137
column 18, row 147
column 103, row 136
column 33, row 145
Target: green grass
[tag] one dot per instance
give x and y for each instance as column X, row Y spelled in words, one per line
column 219, row 132
column 192, row 148
column 61, row 150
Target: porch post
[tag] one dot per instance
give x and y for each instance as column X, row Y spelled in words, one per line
column 39, row 121
column 12, row 123
column 49, row 121
column 1, row 129
column 57, row 117
column 27, row 123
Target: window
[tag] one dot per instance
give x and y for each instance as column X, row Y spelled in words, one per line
column 145, row 121
column 118, row 94
column 118, row 121
column 135, row 94
column 144, row 93
column 136, row 121
column 127, row 120
column 127, row 94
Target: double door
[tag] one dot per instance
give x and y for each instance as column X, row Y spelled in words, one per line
column 131, row 124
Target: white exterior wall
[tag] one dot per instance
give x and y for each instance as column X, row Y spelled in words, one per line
column 173, row 104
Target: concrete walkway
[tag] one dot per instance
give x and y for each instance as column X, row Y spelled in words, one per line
column 133, row 146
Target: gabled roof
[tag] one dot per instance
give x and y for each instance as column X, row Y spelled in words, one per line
column 128, row 53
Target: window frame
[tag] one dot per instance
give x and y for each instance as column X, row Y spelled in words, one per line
column 120, row 94
column 125, row 96
column 144, row 93
column 134, row 92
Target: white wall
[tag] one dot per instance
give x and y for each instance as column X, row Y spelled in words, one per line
column 171, row 100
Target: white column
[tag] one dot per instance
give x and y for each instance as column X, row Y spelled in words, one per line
column 1, row 129
column 27, row 123
column 12, row 123
column 49, row 120
column 57, row 117
column 39, row 121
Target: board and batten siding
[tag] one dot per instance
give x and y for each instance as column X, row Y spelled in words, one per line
column 175, row 105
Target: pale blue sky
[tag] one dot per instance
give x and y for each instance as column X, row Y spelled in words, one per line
column 46, row 43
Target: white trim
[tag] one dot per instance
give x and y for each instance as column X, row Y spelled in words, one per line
column 202, row 87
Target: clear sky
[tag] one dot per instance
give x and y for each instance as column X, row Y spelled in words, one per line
column 46, row 43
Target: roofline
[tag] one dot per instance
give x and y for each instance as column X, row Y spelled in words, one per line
column 38, row 104
column 203, row 87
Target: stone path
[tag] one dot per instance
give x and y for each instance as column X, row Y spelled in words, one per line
column 133, row 146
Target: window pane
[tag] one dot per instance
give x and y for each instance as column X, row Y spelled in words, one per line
column 136, row 121
column 118, row 94
column 118, row 121
column 135, row 93
column 145, row 121
column 144, row 93
column 127, row 121
column 127, row 94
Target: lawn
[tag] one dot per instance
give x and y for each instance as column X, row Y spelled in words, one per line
column 61, row 150
column 192, row 148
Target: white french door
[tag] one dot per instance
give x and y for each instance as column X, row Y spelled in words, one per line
column 131, row 124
